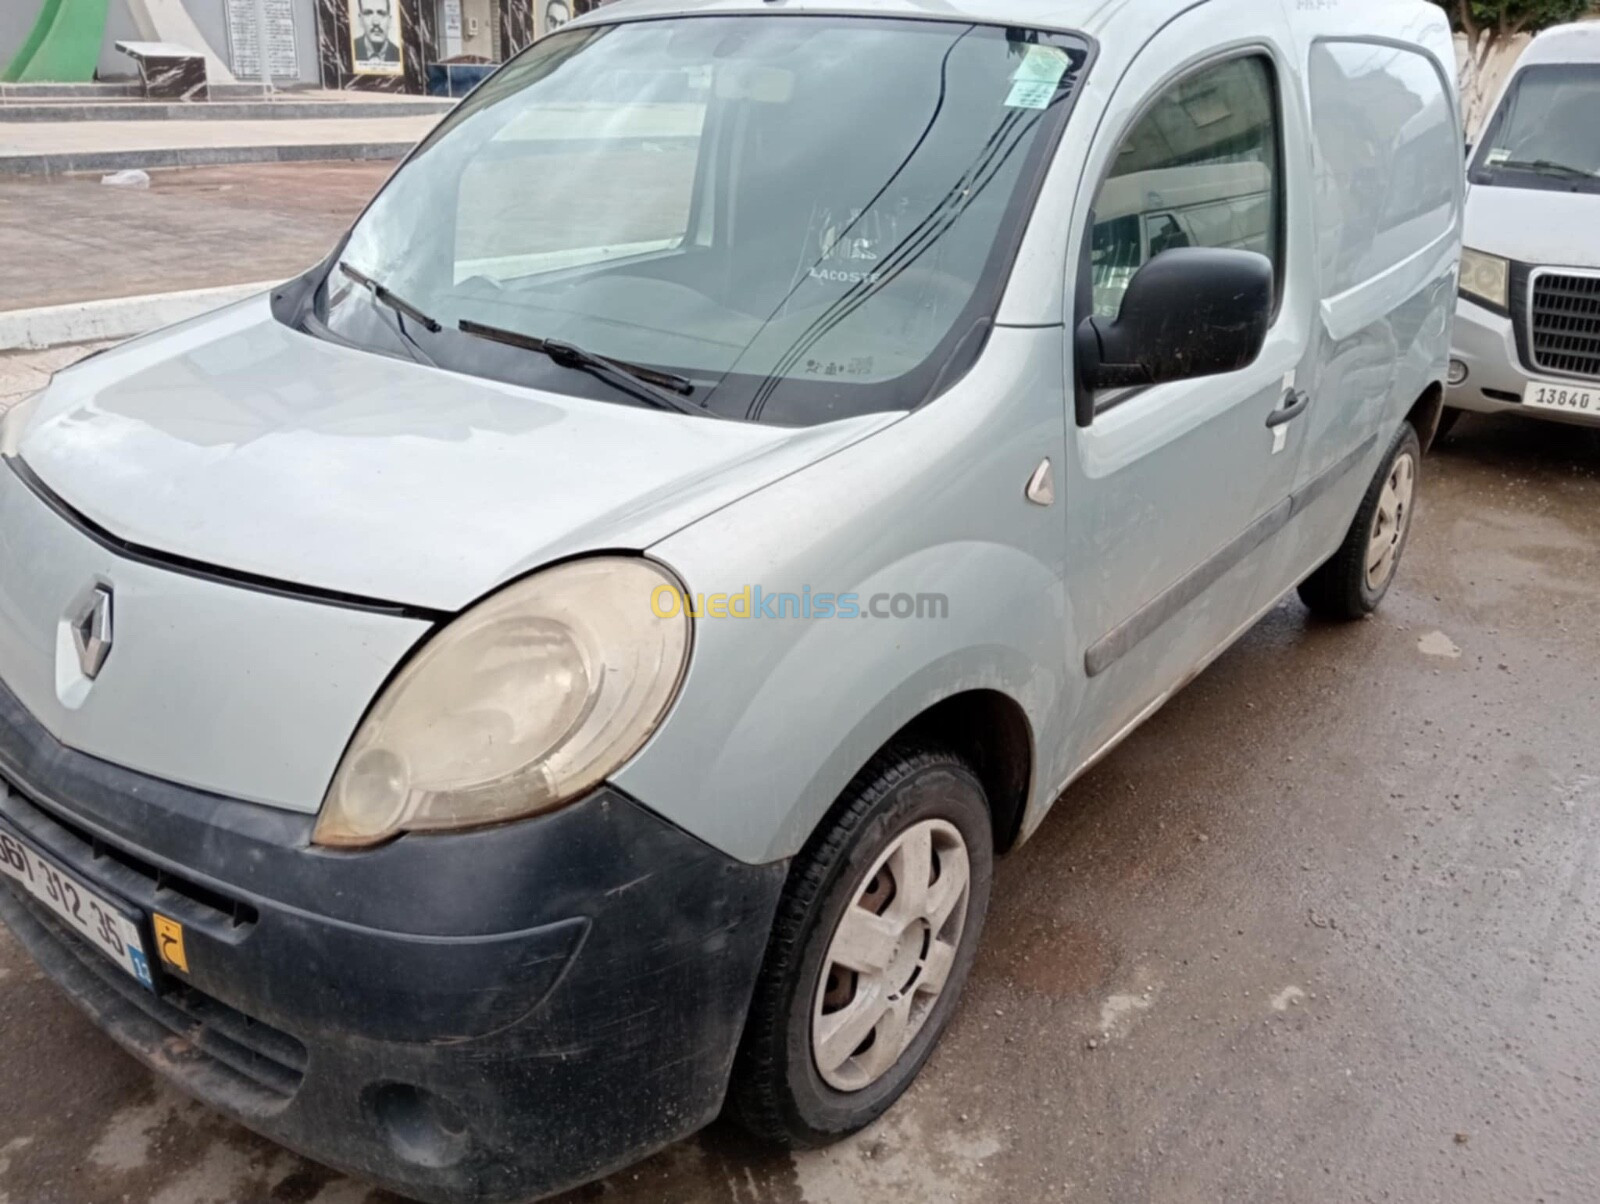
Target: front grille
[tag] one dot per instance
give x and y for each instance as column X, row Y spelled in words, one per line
column 121, row 869
column 1564, row 323
column 127, row 874
column 263, row 1064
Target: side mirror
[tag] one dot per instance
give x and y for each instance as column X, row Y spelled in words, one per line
column 1191, row 311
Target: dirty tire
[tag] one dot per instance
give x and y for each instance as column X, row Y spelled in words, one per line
column 1341, row 589
column 1447, row 423
column 778, row 1091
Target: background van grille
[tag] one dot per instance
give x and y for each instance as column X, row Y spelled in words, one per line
column 1565, row 324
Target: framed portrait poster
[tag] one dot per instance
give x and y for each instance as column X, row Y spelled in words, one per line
column 376, row 44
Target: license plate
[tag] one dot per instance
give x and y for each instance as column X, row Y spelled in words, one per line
column 1563, row 397
column 109, row 927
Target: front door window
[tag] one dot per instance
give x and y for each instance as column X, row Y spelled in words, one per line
column 1200, row 169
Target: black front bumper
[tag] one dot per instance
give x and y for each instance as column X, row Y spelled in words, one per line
column 486, row 1016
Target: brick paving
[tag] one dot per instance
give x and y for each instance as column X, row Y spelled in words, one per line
column 70, row 238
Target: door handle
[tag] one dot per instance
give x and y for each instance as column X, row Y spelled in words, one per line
column 1295, row 403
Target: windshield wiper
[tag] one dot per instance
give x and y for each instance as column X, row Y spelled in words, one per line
column 384, row 296
column 664, row 390
column 403, row 309
column 1545, row 167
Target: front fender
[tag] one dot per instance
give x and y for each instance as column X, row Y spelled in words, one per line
column 776, row 714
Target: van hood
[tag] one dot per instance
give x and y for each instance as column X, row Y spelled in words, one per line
column 238, row 443
column 1545, row 229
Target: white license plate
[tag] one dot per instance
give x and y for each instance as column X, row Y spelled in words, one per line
column 1563, row 397
column 101, row 922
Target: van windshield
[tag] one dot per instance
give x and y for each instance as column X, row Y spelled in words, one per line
column 790, row 219
column 1545, row 134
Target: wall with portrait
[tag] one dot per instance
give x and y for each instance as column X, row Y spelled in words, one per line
column 553, row 14
column 523, row 20
column 386, row 45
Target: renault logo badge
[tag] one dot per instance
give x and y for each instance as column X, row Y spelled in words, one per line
column 92, row 632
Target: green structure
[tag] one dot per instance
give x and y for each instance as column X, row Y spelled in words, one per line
column 63, row 46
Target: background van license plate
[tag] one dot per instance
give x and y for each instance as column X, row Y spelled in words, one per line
column 102, row 923
column 1563, row 397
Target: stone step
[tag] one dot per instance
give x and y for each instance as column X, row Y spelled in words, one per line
column 58, row 147
column 98, row 91
column 132, row 89
column 62, row 162
column 215, row 110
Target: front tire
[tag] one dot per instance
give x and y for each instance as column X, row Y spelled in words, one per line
column 874, row 938
column 1356, row 579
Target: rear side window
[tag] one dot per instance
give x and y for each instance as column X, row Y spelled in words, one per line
column 1388, row 158
column 1200, row 169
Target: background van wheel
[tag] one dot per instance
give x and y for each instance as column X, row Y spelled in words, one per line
column 1357, row 577
column 874, row 937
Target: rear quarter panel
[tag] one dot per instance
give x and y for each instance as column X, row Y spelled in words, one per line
column 1384, row 120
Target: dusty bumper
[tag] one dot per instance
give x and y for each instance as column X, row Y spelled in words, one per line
column 1486, row 342
column 489, row 1016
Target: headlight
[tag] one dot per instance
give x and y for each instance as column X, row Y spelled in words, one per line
column 519, row 706
column 12, row 422
column 1486, row 278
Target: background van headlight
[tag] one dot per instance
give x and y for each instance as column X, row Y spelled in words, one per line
column 523, row 704
column 1486, row 278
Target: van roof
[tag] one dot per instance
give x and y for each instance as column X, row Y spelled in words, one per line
column 1576, row 43
column 1081, row 16
column 1132, row 19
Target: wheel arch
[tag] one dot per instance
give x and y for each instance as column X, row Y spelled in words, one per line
column 1426, row 414
column 991, row 732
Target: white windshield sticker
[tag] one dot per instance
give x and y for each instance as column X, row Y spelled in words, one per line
column 1036, row 80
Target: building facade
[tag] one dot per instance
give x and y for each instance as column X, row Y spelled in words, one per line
column 376, row 45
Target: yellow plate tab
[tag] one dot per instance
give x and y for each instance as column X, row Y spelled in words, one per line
column 169, row 941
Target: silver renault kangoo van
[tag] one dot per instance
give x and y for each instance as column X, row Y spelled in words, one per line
column 567, row 664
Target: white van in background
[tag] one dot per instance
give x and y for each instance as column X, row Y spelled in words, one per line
column 1527, row 334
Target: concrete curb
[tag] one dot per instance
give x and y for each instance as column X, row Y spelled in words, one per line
column 114, row 318
column 196, row 156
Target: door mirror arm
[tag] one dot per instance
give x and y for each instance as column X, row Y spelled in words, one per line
column 1103, row 370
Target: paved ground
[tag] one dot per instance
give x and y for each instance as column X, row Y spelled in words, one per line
column 1324, row 930
column 71, row 238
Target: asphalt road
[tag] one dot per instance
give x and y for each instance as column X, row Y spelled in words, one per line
column 1324, row 930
